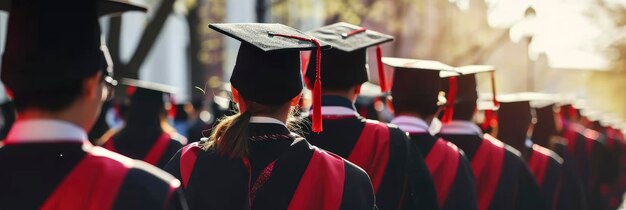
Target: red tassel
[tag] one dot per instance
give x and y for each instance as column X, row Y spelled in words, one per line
column 317, row 89
column 447, row 116
column 487, row 121
column 381, row 70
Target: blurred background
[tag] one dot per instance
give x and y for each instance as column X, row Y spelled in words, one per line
column 575, row 47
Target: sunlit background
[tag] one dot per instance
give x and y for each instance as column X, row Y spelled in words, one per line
column 574, row 47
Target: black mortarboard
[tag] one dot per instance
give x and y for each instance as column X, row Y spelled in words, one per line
column 267, row 70
column 149, row 92
column 417, row 80
column 461, row 88
column 52, row 42
column 345, row 64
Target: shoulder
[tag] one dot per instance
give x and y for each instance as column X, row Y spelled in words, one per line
column 141, row 180
column 178, row 139
column 554, row 158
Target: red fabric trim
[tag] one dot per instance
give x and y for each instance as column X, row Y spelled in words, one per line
column 371, row 151
column 109, row 145
column 443, row 162
column 320, row 192
column 156, row 152
column 487, row 168
column 538, row 162
column 93, row 184
column 188, row 158
column 570, row 136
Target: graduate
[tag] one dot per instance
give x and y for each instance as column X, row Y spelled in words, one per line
column 146, row 134
column 514, row 122
column 585, row 145
column 401, row 180
column 545, row 133
column 254, row 160
column 503, row 181
column 58, row 73
column 417, row 100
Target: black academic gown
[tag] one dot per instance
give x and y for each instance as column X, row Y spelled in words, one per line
column 572, row 194
column 588, row 152
column 399, row 175
column 33, row 172
column 303, row 176
column 141, row 143
column 547, row 167
column 461, row 193
column 515, row 186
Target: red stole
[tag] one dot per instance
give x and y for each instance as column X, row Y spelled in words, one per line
column 487, row 168
column 188, row 158
column 371, row 151
column 155, row 153
column 442, row 162
column 317, row 191
column 93, row 184
column 538, row 162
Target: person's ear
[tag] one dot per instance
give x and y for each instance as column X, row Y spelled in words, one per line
column 91, row 86
column 295, row 100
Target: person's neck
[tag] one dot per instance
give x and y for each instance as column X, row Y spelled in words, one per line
column 427, row 119
column 516, row 141
column 66, row 116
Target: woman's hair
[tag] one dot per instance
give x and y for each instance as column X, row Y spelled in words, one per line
column 230, row 135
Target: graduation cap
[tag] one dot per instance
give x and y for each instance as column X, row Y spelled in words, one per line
column 345, row 64
column 267, row 69
column 149, row 92
column 417, row 81
column 461, row 88
column 52, row 42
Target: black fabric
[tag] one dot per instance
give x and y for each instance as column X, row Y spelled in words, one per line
column 338, row 35
column 267, row 69
column 517, row 188
column 572, row 194
column 227, row 188
column 552, row 180
column 344, row 65
column 406, row 178
column 7, row 110
column 588, row 168
column 340, row 70
column 42, row 52
column 462, row 194
column 105, row 7
column 31, row 172
column 357, row 194
column 136, row 145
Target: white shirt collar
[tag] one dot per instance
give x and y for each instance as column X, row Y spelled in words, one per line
column 338, row 111
column 45, row 131
column 260, row 119
column 411, row 124
column 457, row 127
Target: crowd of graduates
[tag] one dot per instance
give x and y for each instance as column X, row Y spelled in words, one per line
column 297, row 129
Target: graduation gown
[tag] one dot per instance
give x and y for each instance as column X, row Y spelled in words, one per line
column 503, row 181
column 547, row 168
column 399, row 176
column 572, row 194
column 613, row 167
column 55, row 168
column 450, row 169
column 153, row 149
column 282, row 172
column 586, row 147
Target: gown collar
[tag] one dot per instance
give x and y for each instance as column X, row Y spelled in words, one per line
column 45, row 131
